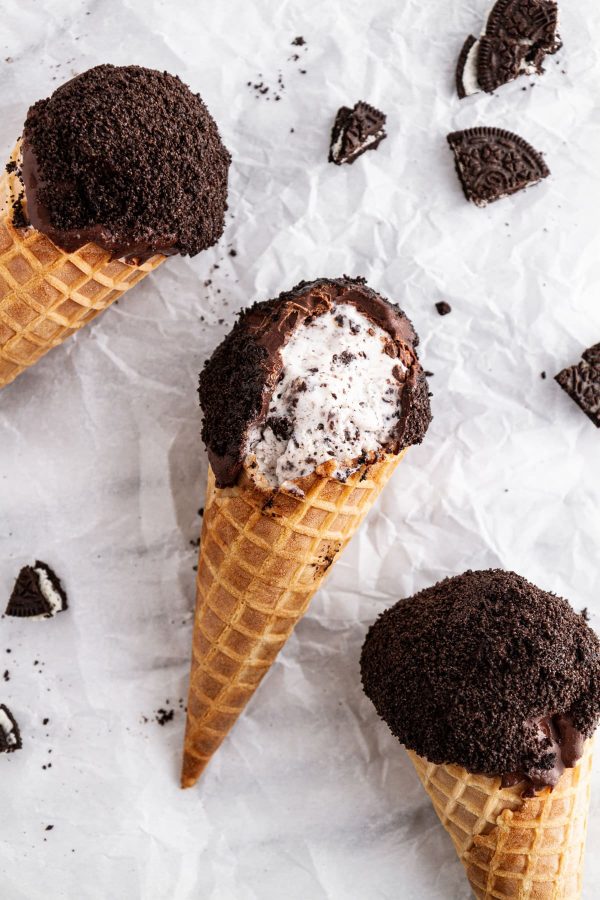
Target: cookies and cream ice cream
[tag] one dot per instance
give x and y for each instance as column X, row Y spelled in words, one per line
column 324, row 375
column 488, row 672
column 127, row 158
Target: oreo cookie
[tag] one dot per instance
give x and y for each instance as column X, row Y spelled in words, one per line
column 582, row 383
column 529, row 21
column 10, row 735
column 466, row 69
column 492, row 163
column 516, row 38
column 355, row 131
column 499, row 61
column 37, row 594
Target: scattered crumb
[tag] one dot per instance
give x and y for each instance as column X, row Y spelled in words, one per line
column 164, row 715
column 542, row 375
column 443, row 308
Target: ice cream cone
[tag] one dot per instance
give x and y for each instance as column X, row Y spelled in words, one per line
column 531, row 848
column 262, row 557
column 46, row 295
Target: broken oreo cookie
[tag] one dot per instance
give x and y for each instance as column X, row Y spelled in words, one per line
column 355, row 131
column 10, row 736
column 37, row 594
column 582, row 383
column 492, row 163
column 516, row 38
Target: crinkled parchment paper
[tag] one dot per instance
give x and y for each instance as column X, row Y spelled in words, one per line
column 102, row 469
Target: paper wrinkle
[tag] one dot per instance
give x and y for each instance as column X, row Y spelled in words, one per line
column 102, row 470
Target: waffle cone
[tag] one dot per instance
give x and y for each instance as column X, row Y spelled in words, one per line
column 262, row 557
column 46, row 295
column 529, row 848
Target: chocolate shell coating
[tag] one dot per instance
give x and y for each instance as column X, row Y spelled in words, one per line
column 238, row 380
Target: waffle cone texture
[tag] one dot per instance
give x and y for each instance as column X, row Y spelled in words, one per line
column 262, row 557
column 529, row 848
column 46, row 295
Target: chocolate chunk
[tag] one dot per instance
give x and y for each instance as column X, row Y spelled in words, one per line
column 582, row 383
column 37, row 593
column 464, row 671
column 281, row 427
column 460, row 67
column 355, row 131
column 10, row 735
column 492, row 163
column 443, row 308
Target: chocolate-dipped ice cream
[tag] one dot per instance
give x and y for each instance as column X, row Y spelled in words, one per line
column 127, row 158
column 323, row 375
column 488, row 672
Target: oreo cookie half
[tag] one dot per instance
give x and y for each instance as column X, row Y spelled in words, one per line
column 467, row 82
column 530, row 21
column 37, row 594
column 582, row 383
column 516, row 38
column 499, row 61
column 355, row 131
column 492, row 163
column 10, row 735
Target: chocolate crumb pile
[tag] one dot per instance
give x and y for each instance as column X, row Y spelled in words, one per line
column 239, row 378
column 462, row 671
column 131, row 150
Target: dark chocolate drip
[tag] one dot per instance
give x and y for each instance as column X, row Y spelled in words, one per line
column 72, row 239
column 251, row 356
column 565, row 746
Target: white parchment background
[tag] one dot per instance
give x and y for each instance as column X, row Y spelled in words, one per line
column 102, row 470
